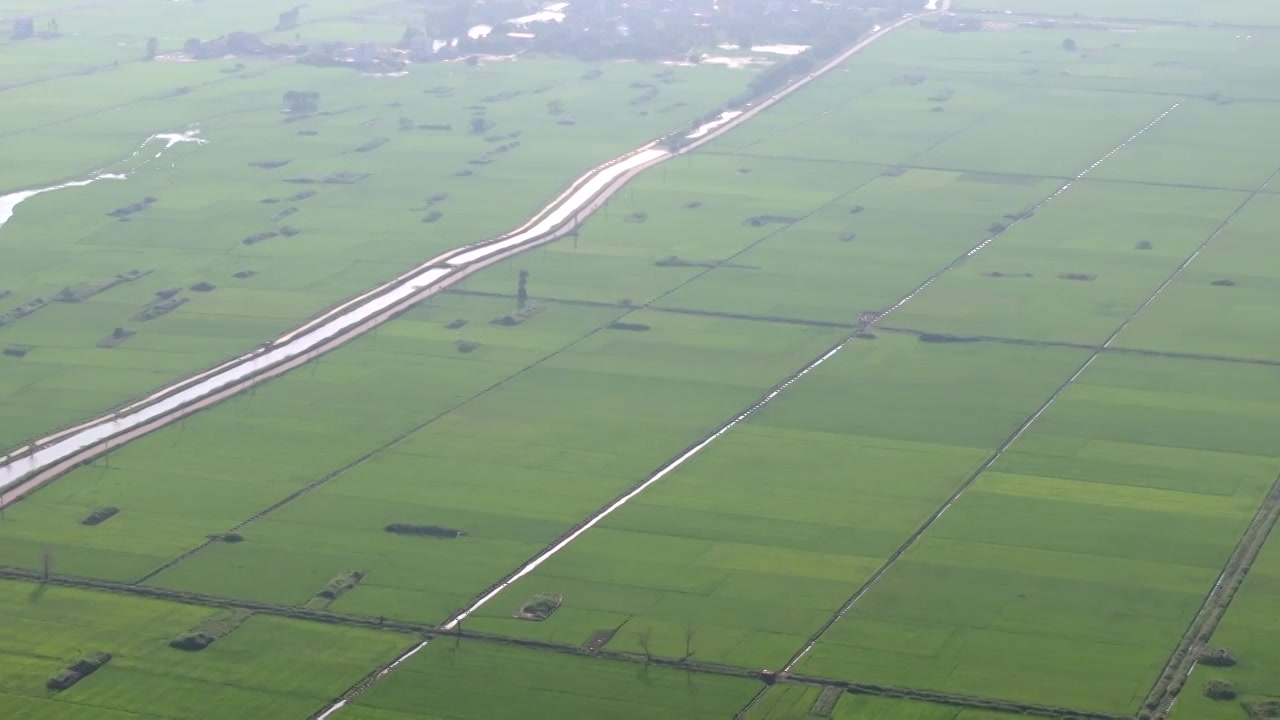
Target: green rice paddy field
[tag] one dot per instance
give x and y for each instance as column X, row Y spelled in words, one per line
column 478, row 681
column 1236, row 12
column 1021, row 486
column 267, row 667
column 799, row 702
column 63, row 124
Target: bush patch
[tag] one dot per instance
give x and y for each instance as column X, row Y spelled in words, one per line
column 334, row 589
column 423, row 530
column 116, row 338
column 635, row 327
column 207, row 632
column 826, row 702
column 539, row 607
column 101, row 515
column 160, row 307
column 78, row 670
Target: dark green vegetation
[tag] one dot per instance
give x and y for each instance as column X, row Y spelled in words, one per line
column 1015, row 495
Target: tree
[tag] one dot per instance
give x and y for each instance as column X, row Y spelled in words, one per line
column 522, row 293
column 688, row 641
column 479, row 125
column 1220, row 690
column 288, row 20
column 408, row 38
column 153, row 46
column 472, row 60
column 406, row 124
column 555, row 107
column 642, row 639
column 298, row 101
column 1217, row 657
column 1069, row 45
column 23, row 28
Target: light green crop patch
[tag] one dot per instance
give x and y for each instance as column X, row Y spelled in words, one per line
column 268, row 667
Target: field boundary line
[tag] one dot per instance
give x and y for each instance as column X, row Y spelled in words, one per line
column 297, row 612
column 1017, row 433
column 810, row 322
column 1213, row 609
column 392, row 625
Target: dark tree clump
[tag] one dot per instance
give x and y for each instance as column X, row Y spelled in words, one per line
column 288, row 20
column 1069, row 45
column 23, row 28
column 300, row 102
column 1217, row 657
column 1220, row 690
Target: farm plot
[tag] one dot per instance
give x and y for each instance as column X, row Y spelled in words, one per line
column 1121, row 58
column 265, row 667
column 692, row 219
column 509, row 470
column 739, row 556
column 1242, row 12
column 1249, row 631
column 484, row 681
column 1202, row 144
column 1067, row 573
column 1077, row 269
column 1035, row 282
column 947, row 110
column 877, row 220
column 862, row 252
column 805, row 702
column 1224, row 303
column 218, row 468
column 277, row 216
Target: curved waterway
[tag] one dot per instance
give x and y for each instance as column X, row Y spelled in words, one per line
column 47, row 452
column 9, row 203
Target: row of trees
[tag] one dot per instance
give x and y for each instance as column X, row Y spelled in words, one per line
column 644, row 29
